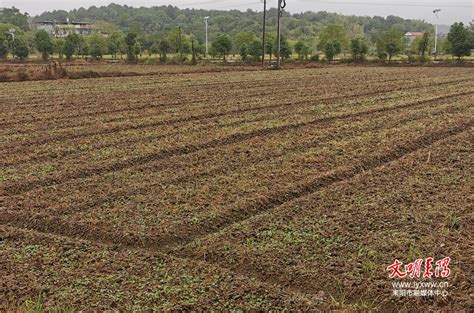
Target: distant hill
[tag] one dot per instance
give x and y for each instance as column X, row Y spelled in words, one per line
column 296, row 26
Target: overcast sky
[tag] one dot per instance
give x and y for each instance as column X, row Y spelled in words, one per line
column 452, row 10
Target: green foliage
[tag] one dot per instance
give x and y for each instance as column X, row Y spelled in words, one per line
column 130, row 42
column 5, row 39
column 270, row 40
column 333, row 47
column 423, row 46
column 302, row 50
column 359, row 48
column 164, row 47
column 155, row 48
column 20, row 48
column 222, row 45
column 193, row 50
column 14, row 17
column 162, row 19
column 243, row 52
column 82, row 47
column 106, row 27
column 334, row 32
column 251, row 51
column 244, row 38
column 461, row 40
column 44, row 44
column 116, row 41
column 390, row 43
column 97, row 46
column 255, row 50
column 58, row 46
column 151, row 26
column 71, row 45
column 285, row 49
column 137, row 49
column 3, row 47
column 179, row 42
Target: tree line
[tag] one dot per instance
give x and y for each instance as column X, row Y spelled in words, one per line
column 332, row 39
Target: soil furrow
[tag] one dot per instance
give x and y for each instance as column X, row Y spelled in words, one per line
column 168, row 243
column 126, row 192
column 15, row 189
column 196, row 118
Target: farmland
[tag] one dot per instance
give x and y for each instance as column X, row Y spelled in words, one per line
column 235, row 189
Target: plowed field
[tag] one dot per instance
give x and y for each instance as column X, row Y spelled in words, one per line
column 236, row 189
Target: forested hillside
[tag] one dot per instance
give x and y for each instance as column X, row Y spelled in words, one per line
column 305, row 26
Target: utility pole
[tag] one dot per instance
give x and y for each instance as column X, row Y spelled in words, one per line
column 180, row 43
column 264, row 31
column 435, row 12
column 206, row 19
column 281, row 6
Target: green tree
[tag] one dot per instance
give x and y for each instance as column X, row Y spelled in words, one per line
column 298, row 26
column 333, row 47
column 359, row 48
column 164, row 47
column 130, row 41
column 14, row 17
column 414, row 45
column 58, row 44
column 137, row 49
column 285, row 49
column 115, row 43
column 193, row 50
column 334, row 32
column 424, row 45
column 390, row 43
column 222, row 45
column 244, row 38
column 179, row 42
column 4, row 49
column 106, row 28
column 255, row 50
column 243, row 52
column 460, row 40
column 44, row 44
column 82, row 47
column 6, row 39
column 71, row 44
column 270, row 45
column 20, row 48
column 302, row 50
column 155, row 48
column 97, row 46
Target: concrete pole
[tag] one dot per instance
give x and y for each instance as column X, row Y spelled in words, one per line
column 278, row 35
column 435, row 12
column 207, row 37
column 264, row 31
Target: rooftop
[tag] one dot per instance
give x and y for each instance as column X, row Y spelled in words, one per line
column 414, row 34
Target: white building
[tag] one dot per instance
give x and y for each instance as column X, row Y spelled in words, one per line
column 61, row 30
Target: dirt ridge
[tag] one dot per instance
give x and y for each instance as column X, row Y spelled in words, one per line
column 56, row 225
